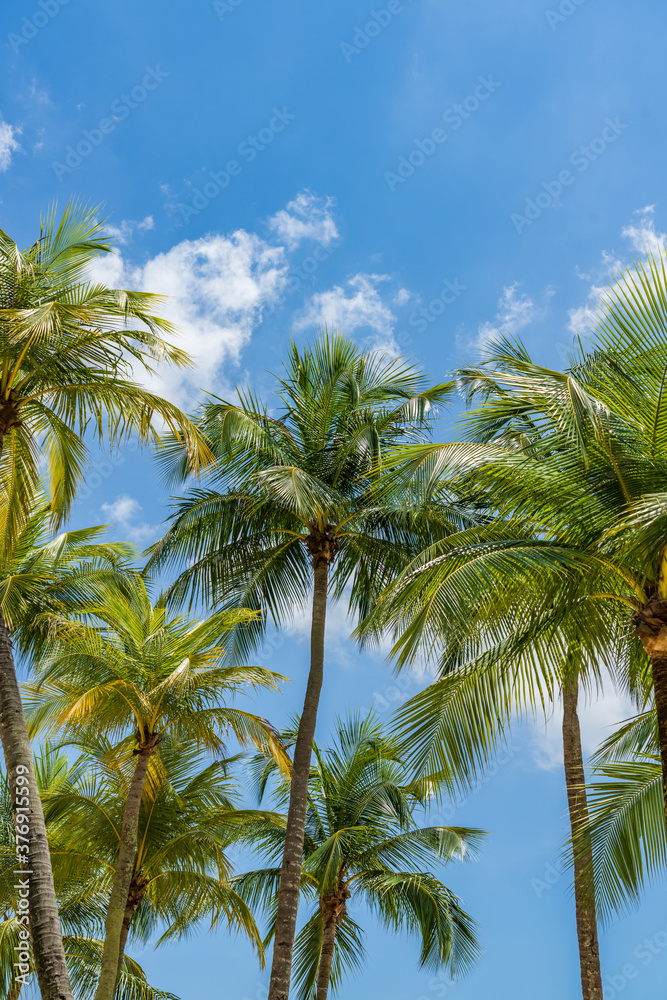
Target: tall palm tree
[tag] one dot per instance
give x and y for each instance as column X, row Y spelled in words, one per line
column 523, row 606
column 132, row 672
column 363, row 843
column 295, row 507
column 80, row 902
column 189, row 817
column 67, row 351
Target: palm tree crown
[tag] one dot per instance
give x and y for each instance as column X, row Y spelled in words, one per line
column 68, row 353
column 363, row 844
column 296, row 503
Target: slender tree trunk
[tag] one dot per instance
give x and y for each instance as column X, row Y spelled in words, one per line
column 290, row 876
column 37, row 875
column 326, row 958
column 113, row 928
column 333, row 910
column 584, row 891
column 134, row 897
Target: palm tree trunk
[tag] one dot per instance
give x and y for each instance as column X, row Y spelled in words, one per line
column 584, row 892
column 290, row 876
column 327, row 953
column 113, row 929
column 45, row 930
column 134, row 897
column 125, row 930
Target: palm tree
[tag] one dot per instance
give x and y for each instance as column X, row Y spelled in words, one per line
column 189, row 817
column 132, row 672
column 295, row 506
column 80, row 902
column 522, row 606
column 363, row 843
column 66, row 355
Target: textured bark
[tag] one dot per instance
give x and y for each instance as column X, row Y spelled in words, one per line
column 290, row 876
column 113, row 929
column 333, row 910
column 45, row 931
column 584, row 891
column 135, row 895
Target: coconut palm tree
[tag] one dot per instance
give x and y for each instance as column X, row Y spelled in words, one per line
column 523, row 607
column 363, row 843
column 189, row 817
column 295, row 509
column 80, row 902
column 129, row 670
column 68, row 351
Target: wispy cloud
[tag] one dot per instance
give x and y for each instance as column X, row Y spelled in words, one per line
column 124, row 513
column 515, row 311
column 124, row 232
column 217, row 289
column 643, row 238
column 307, row 217
column 357, row 306
column 9, row 144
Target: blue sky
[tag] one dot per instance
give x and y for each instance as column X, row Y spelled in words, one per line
column 421, row 173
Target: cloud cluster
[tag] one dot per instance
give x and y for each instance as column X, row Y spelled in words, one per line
column 218, row 288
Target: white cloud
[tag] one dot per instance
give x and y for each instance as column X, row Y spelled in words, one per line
column 124, row 513
column 218, row 286
column 124, row 232
column 642, row 235
column 643, row 238
column 108, row 269
column 356, row 307
column 516, row 310
column 8, row 144
column 215, row 288
column 307, row 217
